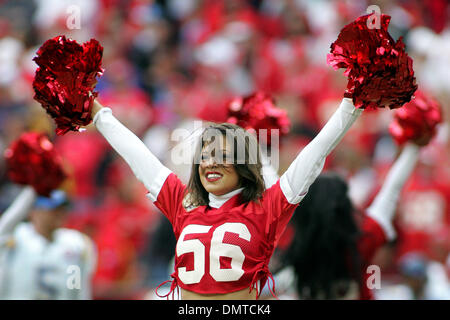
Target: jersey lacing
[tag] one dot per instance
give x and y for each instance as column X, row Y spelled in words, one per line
column 260, row 277
column 174, row 284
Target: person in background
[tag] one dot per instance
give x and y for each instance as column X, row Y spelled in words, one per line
column 334, row 244
column 421, row 278
column 39, row 259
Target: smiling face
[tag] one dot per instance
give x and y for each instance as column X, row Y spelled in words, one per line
column 216, row 170
column 226, row 158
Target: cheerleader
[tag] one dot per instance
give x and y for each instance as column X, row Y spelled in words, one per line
column 333, row 247
column 39, row 259
column 226, row 222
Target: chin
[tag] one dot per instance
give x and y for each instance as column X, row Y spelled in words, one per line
column 218, row 193
column 215, row 190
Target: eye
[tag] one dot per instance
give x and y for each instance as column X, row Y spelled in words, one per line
column 205, row 157
column 227, row 158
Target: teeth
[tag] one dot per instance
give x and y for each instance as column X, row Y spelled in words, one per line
column 213, row 176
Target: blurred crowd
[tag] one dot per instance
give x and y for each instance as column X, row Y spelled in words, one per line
column 168, row 63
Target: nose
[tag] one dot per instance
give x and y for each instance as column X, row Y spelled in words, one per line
column 211, row 161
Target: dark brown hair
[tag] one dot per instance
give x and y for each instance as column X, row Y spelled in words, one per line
column 246, row 161
column 324, row 251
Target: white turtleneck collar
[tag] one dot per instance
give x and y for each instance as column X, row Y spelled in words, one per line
column 218, row 201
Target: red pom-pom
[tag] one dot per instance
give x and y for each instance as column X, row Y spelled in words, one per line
column 64, row 82
column 258, row 111
column 379, row 71
column 417, row 120
column 32, row 160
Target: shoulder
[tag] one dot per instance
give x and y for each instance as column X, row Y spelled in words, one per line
column 23, row 231
column 73, row 238
column 23, row 234
column 372, row 227
column 372, row 237
column 167, row 188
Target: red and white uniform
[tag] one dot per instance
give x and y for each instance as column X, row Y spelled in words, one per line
column 377, row 226
column 226, row 246
column 373, row 237
column 234, row 251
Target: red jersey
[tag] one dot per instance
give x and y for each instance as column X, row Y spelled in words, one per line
column 372, row 238
column 225, row 249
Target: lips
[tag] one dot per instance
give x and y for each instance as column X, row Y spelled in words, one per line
column 213, row 176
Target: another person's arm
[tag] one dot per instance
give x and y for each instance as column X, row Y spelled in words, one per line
column 384, row 205
column 16, row 212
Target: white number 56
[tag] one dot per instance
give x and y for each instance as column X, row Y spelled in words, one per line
column 218, row 249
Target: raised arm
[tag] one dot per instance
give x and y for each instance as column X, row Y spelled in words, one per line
column 145, row 166
column 297, row 179
column 16, row 212
column 384, row 205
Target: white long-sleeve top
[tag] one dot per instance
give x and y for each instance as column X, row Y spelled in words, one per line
column 294, row 182
column 383, row 207
column 307, row 166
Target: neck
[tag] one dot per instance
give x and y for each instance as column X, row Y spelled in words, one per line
column 47, row 234
column 218, row 201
